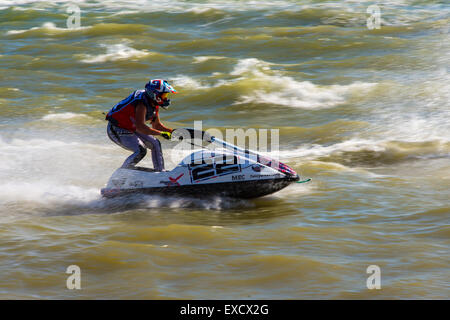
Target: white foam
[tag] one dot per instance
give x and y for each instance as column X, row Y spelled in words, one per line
column 250, row 65
column 46, row 174
column 189, row 82
column 63, row 116
column 36, row 143
column 314, row 151
column 199, row 10
column 296, row 190
column 182, row 6
column 305, row 94
column 212, row 203
column 46, row 193
column 48, row 26
column 286, row 91
column 41, row 152
column 201, row 59
column 116, row 52
column 416, row 129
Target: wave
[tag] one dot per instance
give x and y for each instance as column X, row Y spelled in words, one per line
column 202, row 59
column 116, row 52
column 183, row 6
column 345, row 13
column 95, row 30
column 354, row 14
column 304, row 94
column 185, row 81
column 357, row 152
column 289, row 92
column 63, row 116
column 46, row 28
column 262, row 85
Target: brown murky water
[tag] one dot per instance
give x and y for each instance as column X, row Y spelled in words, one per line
column 364, row 113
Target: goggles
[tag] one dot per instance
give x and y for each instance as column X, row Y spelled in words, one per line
column 164, row 95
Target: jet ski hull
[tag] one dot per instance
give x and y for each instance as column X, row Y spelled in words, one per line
column 238, row 189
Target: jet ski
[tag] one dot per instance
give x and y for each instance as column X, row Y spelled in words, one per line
column 231, row 172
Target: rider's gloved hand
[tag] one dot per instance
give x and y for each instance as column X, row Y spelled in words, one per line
column 166, row 135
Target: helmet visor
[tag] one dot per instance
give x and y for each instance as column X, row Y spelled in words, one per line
column 164, row 95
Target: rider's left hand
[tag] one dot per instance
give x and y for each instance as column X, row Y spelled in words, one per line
column 166, row 135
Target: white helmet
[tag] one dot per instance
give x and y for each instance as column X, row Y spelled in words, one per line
column 158, row 90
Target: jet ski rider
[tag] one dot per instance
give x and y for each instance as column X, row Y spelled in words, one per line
column 127, row 126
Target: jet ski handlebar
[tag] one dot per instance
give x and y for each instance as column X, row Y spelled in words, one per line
column 182, row 134
column 193, row 136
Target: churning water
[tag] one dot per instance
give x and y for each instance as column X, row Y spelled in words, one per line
column 364, row 113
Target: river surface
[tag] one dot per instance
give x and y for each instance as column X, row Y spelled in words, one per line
column 363, row 112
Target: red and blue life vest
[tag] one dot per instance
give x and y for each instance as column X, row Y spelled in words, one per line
column 123, row 114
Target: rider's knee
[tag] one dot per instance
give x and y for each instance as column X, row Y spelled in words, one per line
column 142, row 152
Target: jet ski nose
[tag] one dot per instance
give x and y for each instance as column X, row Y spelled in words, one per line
column 290, row 173
column 292, row 177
